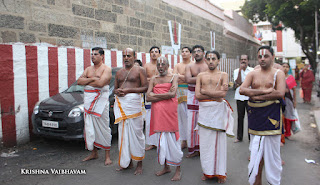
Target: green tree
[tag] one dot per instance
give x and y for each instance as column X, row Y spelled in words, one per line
column 299, row 15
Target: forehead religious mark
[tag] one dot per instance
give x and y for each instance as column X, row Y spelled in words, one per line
column 262, row 52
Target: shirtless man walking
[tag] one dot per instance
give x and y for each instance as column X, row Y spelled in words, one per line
column 130, row 81
column 215, row 120
column 96, row 79
column 266, row 89
column 151, row 70
column 192, row 71
column 182, row 92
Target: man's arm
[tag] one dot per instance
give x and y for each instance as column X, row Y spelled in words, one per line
column 188, row 76
column 159, row 97
column 279, row 90
column 83, row 79
column 116, row 85
column 198, row 94
column 218, row 93
column 181, row 78
column 103, row 80
column 245, row 88
column 146, row 69
column 238, row 79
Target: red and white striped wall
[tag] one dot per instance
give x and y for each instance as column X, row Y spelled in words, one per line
column 29, row 74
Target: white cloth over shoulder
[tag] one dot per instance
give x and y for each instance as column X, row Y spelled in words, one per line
column 216, row 116
column 97, row 132
column 267, row 147
column 95, row 99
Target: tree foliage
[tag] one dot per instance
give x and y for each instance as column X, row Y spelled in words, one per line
column 299, row 15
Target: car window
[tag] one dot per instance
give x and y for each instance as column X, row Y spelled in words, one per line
column 75, row 88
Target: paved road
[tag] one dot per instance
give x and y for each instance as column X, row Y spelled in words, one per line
column 44, row 154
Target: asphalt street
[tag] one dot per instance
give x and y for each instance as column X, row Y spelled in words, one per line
column 53, row 154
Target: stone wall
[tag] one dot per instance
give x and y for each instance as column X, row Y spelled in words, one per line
column 112, row 24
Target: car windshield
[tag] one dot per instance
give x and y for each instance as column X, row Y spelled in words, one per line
column 75, row 88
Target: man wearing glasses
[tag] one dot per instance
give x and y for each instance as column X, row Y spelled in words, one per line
column 192, row 71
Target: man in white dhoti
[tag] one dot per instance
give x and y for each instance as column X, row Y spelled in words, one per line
column 215, row 122
column 164, row 118
column 151, row 70
column 192, row 71
column 266, row 88
column 97, row 132
column 130, row 81
column 180, row 69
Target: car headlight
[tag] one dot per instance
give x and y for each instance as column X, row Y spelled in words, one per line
column 76, row 111
column 36, row 108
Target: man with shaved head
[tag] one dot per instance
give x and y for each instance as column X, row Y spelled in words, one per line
column 130, row 81
column 164, row 118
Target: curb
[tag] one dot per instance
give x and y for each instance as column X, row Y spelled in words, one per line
column 316, row 114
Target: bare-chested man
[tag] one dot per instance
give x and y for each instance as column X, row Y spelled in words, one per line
column 182, row 92
column 215, row 121
column 266, row 89
column 130, row 82
column 151, row 69
column 96, row 79
column 164, row 120
column 192, row 71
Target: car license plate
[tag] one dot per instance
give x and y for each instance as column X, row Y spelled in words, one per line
column 51, row 124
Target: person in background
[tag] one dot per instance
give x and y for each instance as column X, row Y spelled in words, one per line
column 306, row 80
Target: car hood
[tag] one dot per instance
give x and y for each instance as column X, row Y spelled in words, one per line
column 62, row 101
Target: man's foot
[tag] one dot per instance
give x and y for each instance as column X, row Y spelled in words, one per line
column 163, row 171
column 204, row 178
column 151, row 147
column 282, row 163
column 138, row 169
column 237, row 141
column 129, row 167
column 249, row 158
column 196, row 153
column 177, row 175
column 222, row 180
column 91, row 157
column 107, row 162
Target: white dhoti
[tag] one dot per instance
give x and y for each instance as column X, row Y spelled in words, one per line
column 215, row 124
column 213, row 152
column 150, row 140
column 267, row 147
column 97, row 132
column 128, row 115
column 169, row 149
column 192, row 116
column 182, row 110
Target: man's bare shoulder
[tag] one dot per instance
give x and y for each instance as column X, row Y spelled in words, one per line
column 104, row 66
column 202, row 73
column 223, row 73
